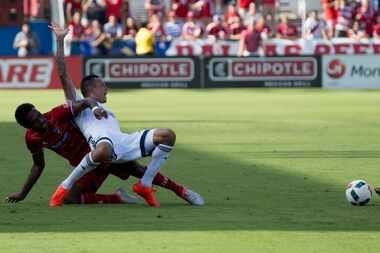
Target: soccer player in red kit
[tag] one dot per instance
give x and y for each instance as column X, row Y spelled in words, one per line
column 56, row 131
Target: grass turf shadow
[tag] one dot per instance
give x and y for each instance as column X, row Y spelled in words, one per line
column 239, row 196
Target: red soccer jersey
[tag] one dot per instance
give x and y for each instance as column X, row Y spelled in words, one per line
column 62, row 136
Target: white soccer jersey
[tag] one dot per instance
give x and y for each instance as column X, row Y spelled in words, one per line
column 92, row 127
column 126, row 147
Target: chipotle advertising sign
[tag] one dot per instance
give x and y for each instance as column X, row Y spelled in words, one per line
column 36, row 72
column 263, row 72
column 169, row 72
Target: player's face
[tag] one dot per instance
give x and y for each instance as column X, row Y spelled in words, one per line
column 37, row 121
column 99, row 92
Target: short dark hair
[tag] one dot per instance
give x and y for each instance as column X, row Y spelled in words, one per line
column 144, row 24
column 21, row 112
column 87, row 83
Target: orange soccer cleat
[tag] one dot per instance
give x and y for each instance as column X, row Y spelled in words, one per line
column 58, row 197
column 147, row 193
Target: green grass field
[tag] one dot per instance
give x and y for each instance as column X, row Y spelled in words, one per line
column 272, row 166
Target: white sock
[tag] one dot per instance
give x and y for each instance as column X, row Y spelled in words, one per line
column 86, row 165
column 159, row 156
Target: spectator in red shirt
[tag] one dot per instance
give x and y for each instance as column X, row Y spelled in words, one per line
column 250, row 42
column 263, row 28
column 231, row 13
column 76, row 27
column 191, row 30
column 367, row 16
column 202, row 9
column 216, row 29
column 244, row 6
column 71, row 7
column 130, row 29
column 181, row 8
column 235, row 28
column 331, row 15
column 115, row 8
column 376, row 29
column 286, row 30
column 154, row 7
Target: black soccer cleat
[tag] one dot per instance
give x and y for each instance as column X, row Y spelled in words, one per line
column 377, row 190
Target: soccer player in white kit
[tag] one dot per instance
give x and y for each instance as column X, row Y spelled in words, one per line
column 107, row 142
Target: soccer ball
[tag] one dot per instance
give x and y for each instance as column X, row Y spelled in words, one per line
column 358, row 192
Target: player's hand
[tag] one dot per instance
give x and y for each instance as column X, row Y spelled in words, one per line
column 59, row 31
column 15, row 197
column 100, row 113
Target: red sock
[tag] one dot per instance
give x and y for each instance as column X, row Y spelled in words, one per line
column 92, row 198
column 167, row 183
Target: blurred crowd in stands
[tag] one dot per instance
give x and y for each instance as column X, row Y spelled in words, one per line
column 108, row 24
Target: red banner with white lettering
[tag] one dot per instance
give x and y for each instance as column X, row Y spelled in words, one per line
column 276, row 47
column 37, row 72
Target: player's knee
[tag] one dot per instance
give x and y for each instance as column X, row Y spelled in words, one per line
column 165, row 136
column 103, row 152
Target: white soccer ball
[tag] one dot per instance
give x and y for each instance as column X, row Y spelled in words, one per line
column 358, row 192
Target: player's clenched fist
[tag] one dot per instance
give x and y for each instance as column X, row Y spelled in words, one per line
column 99, row 112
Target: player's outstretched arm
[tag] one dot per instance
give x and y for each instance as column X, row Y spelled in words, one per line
column 80, row 105
column 35, row 172
column 67, row 83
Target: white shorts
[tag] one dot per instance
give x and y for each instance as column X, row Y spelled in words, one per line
column 127, row 147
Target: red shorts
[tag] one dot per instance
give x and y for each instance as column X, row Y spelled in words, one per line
column 92, row 181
